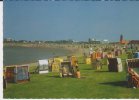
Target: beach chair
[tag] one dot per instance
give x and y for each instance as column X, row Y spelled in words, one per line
column 97, row 64
column 136, row 55
column 115, row 65
column 66, row 70
column 56, row 64
column 88, row 60
column 74, row 61
column 17, row 73
column 133, row 72
column 43, row 66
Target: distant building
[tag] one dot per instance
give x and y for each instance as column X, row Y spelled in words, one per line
column 8, row 39
column 94, row 41
column 121, row 38
column 105, row 41
column 133, row 42
column 122, row 41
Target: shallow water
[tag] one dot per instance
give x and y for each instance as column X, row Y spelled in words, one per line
column 23, row 55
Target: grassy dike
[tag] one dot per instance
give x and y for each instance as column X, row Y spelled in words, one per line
column 93, row 84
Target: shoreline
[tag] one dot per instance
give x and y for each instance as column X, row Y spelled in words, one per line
column 73, row 50
column 71, row 47
column 44, row 45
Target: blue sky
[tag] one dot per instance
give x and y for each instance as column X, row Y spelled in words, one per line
column 78, row 20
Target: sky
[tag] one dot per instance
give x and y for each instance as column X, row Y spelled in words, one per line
column 77, row 20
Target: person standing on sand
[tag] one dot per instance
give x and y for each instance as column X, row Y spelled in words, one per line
column 91, row 51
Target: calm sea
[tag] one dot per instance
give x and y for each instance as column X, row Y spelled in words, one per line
column 23, row 55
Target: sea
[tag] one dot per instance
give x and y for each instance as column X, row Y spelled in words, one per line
column 24, row 55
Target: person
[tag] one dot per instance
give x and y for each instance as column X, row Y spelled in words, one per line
column 60, row 72
column 78, row 75
column 84, row 54
column 64, row 71
column 4, row 80
column 77, row 72
column 98, row 64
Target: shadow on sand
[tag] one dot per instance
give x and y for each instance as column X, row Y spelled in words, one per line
column 118, row 83
column 88, row 69
column 101, row 71
column 82, row 77
column 54, row 76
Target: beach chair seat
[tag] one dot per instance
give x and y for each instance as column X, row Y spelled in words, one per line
column 66, row 69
